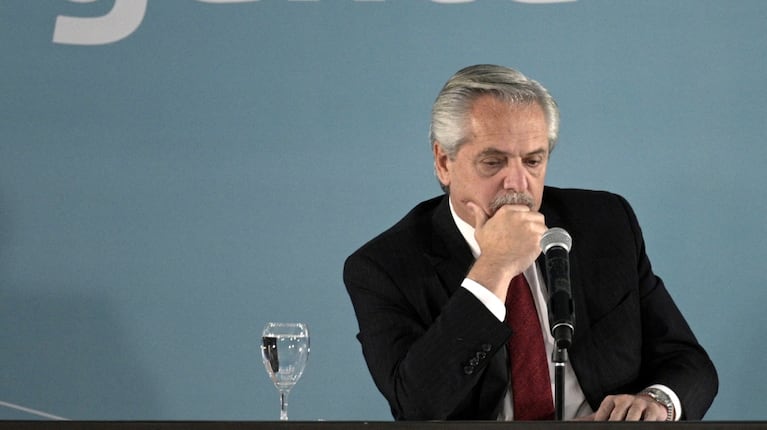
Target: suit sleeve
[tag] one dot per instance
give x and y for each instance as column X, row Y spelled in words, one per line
column 629, row 332
column 427, row 350
column 671, row 354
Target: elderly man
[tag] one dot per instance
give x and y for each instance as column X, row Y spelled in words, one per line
column 452, row 301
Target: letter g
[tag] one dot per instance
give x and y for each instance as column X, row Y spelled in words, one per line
column 124, row 18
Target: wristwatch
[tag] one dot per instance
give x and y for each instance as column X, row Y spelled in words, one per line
column 661, row 397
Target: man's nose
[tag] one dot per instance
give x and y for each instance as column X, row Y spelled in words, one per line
column 515, row 176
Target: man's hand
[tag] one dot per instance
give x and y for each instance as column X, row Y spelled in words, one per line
column 627, row 407
column 509, row 241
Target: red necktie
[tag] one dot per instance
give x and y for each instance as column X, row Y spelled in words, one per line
column 530, row 381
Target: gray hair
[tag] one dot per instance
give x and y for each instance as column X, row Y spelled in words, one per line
column 450, row 110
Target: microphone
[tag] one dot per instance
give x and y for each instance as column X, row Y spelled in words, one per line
column 556, row 244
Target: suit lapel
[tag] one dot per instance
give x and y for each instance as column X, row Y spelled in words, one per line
column 449, row 252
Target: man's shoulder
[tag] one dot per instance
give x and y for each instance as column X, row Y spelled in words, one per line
column 421, row 213
column 576, row 194
column 582, row 212
column 579, row 200
column 413, row 230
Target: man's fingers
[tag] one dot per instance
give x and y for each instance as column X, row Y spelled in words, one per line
column 628, row 408
column 605, row 408
column 613, row 408
column 585, row 418
column 518, row 208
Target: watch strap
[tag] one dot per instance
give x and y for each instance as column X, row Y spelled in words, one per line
column 663, row 399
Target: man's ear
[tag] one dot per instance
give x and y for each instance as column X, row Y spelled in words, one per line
column 441, row 164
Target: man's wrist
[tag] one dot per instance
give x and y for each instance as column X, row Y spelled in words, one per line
column 490, row 300
column 660, row 396
column 494, row 274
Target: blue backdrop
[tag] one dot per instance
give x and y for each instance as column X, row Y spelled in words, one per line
column 173, row 174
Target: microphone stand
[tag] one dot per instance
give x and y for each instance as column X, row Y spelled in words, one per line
column 563, row 338
column 559, row 358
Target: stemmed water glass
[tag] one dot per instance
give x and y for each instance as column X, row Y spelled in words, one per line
column 284, row 349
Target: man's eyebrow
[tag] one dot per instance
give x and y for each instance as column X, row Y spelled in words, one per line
column 542, row 151
column 495, row 151
column 492, row 152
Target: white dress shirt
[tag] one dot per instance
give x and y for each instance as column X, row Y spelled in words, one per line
column 575, row 401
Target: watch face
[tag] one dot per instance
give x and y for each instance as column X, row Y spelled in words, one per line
column 664, row 398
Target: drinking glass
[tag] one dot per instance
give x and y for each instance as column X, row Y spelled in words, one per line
column 284, row 349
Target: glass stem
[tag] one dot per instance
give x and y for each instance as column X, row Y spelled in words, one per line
column 283, row 405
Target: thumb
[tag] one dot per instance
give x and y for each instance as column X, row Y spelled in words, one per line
column 480, row 217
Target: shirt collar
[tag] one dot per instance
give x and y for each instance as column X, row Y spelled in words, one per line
column 467, row 231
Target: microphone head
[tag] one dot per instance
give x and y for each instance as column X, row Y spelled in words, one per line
column 556, row 237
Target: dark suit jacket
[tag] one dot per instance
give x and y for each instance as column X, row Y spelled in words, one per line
column 420, row 331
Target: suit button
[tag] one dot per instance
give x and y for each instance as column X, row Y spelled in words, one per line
column 474, row 361
column 468, row 370
column 481, row 355
column 486, row 347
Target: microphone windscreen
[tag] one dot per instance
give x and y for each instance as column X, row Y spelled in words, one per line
column 556, row 236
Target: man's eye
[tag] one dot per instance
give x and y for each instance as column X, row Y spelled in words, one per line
column 490, row 166
column 533, row 162
column 491, row 162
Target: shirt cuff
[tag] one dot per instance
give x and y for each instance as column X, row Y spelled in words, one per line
column 490, row 300
column 674, row 399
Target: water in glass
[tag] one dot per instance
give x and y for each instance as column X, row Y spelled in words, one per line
column 284, row 350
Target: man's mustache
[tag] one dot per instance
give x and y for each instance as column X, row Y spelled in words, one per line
column 511, row 199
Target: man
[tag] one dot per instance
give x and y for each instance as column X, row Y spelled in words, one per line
column 439, row 297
